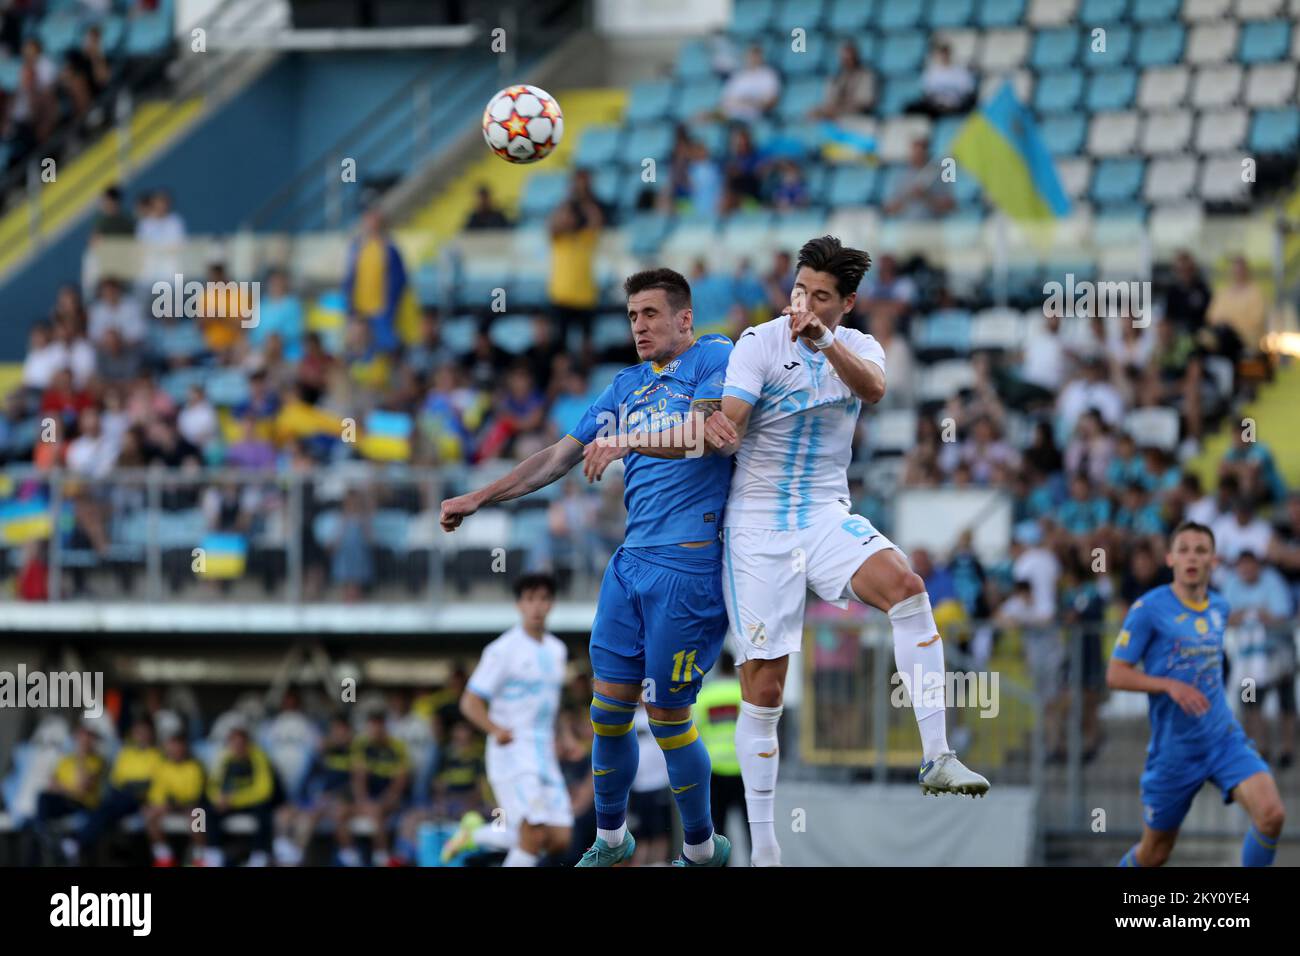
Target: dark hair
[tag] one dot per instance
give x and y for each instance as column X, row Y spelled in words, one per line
column 1191, row 526
column 828, row 254
column 674, row 285
column 533, row 582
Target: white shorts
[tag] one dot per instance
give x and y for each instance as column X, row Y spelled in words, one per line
column 766, row 575
column 531, row 797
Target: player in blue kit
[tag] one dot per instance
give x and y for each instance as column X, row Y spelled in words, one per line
column 1176, row 633
column 660, row 618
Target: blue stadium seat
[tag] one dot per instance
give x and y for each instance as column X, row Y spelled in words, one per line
column 649, row 101
column 181, row 529
column 228, row 386
column 898, row 92
column 894, row 15
column 949, row 14
column 948, row 329
column 1055, row 49
column 805, row 14
column 1160, row 44
column 849, row 16
column 697, row 96
column 866, row 47
column 598, row 146
column 609, row 331
column 607, row 182
column 512, row 333
column 1119, row 46
column 1111, row 90
column 1000, row 13
column 112, row 34
column 1064, row 133
column 751, row 17
column 528, row 292
column 648, row 232
column 458, row 334
column 713, row 136
column 1155, row 11
column 694, row 60
column 542, row 194
column 852, row 186
column 800, row 96
column 653, row 140
column 59, row 33
column 10, row 68
column 1101, row 11
column 427, row 284
column 818, row 53
column 942, row 133
column 1117, row 180
column 1263, row 41
column 902, row 53
column 149, row 34
column 178, row 383
column 1275, row 131
column 1058, row 91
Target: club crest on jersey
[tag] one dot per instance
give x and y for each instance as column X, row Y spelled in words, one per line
column 669, row 368
column 1201, row 626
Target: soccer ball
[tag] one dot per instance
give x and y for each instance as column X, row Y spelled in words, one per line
column 522, row 124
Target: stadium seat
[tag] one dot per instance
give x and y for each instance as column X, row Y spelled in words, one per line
column 650, row 101
column 149, row 34
column 964, row 44
column 1216, row 86
column 1051, row 13
column 1063, row 133
column 752, row 17
column 1000, row 13
column 1270, row 84
column 1075, row 174
column 513, row 334
column 902, row 53
column 59, row 33
column 1275, row 131
column 942, row 133
column 697, row 96
column 799, row 96
column 1111, row 90
column 899, row 91
column 850, row 16
column 1169, row 179
column 1154, row 11
column 1160, row 44
column 1260, row 9
column 1119, row 47
column 947, row 330
column 949, row 14
column 1219, row 130
column 646, row 141
column 694, row 60
column 1172, row 223
column 1163, row 88
column 1003, row 50
column 1263, row 41
column 1055, row 49
column 181, row 340
column 227, row 387
column 458, row 334
column 648, row 233
column 1102, row 11
column 1196, row 11
column 804, row 14
column 1212, row 43
column 1153, row 427
column 943, row 380
column 1117, row 180
column 892, row 15
column 598, row 146
column 1113, row 134
column 853, row 186
column 817, row 52
column 543, row 193
column 177, row 383
column 895, row 136
column 112, row 34
column 1166, row 132
column 1058, row 91
column 892, row 431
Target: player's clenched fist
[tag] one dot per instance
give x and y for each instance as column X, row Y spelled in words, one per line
column 720, row 431
column 456, row 510
column 1191, row 700
column 596, row 457
column 804, row 323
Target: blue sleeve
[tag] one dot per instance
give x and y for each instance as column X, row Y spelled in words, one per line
column 599, row 419
column 713, row 372
column 1136, row 634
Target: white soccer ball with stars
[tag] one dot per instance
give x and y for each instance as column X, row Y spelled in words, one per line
column 523, row 124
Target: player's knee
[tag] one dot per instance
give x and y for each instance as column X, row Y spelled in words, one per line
column 1155, row 852
column 905, row 583
column 765, row 691
column 1271, row 818
column 670, row 714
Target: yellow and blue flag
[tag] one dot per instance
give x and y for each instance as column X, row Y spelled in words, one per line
column 26, row 520
column 387, row 436
column 1001, row 148
column 225, row 556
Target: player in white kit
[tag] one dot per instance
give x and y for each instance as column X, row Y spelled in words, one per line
column 790, row 405
column 513, row 696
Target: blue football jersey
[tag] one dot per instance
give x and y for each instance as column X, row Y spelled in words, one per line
column 668, row 501
column 1185, row 642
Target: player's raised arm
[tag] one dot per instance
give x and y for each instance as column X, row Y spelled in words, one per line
column 535, row 471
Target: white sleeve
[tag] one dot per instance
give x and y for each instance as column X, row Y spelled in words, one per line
column 490, row 673
column 746, row 368
column 868, row 348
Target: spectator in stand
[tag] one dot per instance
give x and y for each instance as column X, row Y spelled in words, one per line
column 429, row 352
column 86, row 73
column 921, row 192
column 1145, row 571
column 570, row 403
column 1092, row 391
column 1188, row 297
column 575, row 228
column 1252, row 463
column 315, row 370
column 921, row 462
column 1042, row 452
column 461, row 779
column 1284, row 551
column 883, row 326
column 706, row 191
column 197, row 421
column 129, row 782
column 177, row 787
column 281, row 314
column 946, row 87
column 45, row 358
column 1091, row 449
column 78, row 352
column 789, row 190
column 91, row 454
column 33, row 582
column 851, row 90
column 327, row 789
column 1238, row 313
column 752, row 90
column 381, row 775
column 887, row 290
column 112, row 220
column 69, row 309
column 35, row 109
column 1083, row 610
column 778, row 282
column 1242, row 530
column 743, row 169
column 252, row 451
column 164, row 445
column 983, row 452
column 243, row 782
column 486, row 213
column 515, row 429
column 63, row 399
column 222, row 315
column 353, row 564
column 76, row 787
column 375, row 280
column 114, row 309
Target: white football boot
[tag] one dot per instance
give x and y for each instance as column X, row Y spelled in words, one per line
column 947, row 774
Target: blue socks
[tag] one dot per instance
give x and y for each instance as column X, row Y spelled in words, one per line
column 1257, row 849
column 614, row 758
column 1130, row 858
column 689, row 770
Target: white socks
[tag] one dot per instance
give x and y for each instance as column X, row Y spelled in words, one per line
column 756, row 750
column 613, row 838
column 918, row 654
column 699, row 852
column 518, row 857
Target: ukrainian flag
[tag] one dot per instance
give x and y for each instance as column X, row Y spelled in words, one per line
column 24, row 521
column 225, row 556
column 387, row 436
column 1001, row 148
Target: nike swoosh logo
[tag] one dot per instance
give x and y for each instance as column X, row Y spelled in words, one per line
column 927, row 643
column 772, row 754
column 601, row 773
column 683, row 789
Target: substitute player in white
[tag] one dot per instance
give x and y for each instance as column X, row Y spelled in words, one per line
column 790, row 405
column 513, row 696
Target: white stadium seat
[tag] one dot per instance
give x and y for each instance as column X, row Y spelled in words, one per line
column 1197, row 11
column 1216, row 86
column 1075, row 174
column 1259, row 9
column 1172, row 225
column 1212, row 43
column 998, row 329
column 1022, row 81
column 1169, row 178
column 1153, row 426
column 964, row 44
column 1166, row 132
column 1003, row 50
column 895, row 137
column 892, row 431
column 1270, row 84
column 1163, row 87
column 1113, row 134
column 1219, row 130
column 1221, row 179
column 943, row 380
column 1051, row 13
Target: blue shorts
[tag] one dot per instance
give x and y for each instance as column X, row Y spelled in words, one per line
column 1169, row 785
column 660, row 621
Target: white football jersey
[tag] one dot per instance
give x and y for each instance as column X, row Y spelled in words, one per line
column 521, row 678
column 794, row 457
